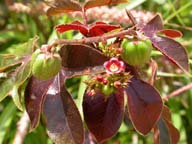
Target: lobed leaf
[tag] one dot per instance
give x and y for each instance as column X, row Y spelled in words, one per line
column 63, row 6
column 144, row 105
column 103, row 116
column 35, row 93
column 97, row 3
column 63, row 119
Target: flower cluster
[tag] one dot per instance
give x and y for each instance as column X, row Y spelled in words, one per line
column 114, row 78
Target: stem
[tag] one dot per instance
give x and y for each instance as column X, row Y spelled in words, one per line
column 179, row 91
column 84, row 16
column 22, row 129
column 95, row 39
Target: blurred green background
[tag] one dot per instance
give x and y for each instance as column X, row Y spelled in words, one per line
column 19, row 23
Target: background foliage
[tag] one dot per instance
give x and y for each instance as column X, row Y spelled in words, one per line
column 18, row 24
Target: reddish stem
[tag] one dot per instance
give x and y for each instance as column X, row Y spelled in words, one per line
column 179, row 91
column 95, row 39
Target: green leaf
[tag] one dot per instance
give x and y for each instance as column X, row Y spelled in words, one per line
column 23, row 72
column 6, row 118
column 16, row 78
column 23, row 48
column 16, row 97
column 5, row 87
column 8, row 60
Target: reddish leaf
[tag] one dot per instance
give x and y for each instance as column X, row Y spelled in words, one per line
column 96, row 3
column 79, row 57
column 76, row 25
column 63, row 120
column 34, row 98
column 103, row 116
column 153, row 26
column 63, row 6
column 97, row 29
column 171, row 33
column 167, row 133
column 163, row 137
column 144, row 104
column 173, row 50
column 101, row 28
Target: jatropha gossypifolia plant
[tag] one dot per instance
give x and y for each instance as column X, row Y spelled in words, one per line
column 112, row 57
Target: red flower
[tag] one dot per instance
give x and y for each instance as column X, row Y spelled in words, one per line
column 114, row 66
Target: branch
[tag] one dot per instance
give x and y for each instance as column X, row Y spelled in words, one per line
column 95, row 39
column 22, row 129
column 179, row 91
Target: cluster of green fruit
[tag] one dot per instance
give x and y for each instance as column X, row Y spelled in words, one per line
column 45, row 64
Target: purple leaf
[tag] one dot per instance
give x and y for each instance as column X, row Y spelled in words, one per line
column 173, row 50
column 34, row 98
column 153, row 26
column 144, row 105
column 79, row 57
column 63, row 120
column 103, row 116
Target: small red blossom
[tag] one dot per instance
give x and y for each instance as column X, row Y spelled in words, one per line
column 114, row 66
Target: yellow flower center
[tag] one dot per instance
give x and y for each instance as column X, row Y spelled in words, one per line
column 114, row 67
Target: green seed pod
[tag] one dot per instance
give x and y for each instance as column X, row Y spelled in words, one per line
column 136, row 53
column 46, row 66
column 107, row 90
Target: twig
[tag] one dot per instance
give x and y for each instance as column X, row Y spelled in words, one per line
column 179, row 91
column 22, row 129
column 154, row 67
column 95, row 39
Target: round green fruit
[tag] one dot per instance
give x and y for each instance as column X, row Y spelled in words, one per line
column 136, row 53
column 107, row 90
column 46, row 66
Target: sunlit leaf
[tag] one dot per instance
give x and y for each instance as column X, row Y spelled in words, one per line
column 34, row 98
column 63, row 119
column 16, row 97
column 23, row 72
column 103, row 116
column 63, row 6
column 144, row 105
column 96, row 29
column 23, row 48
column 8, row 60
column 97, row 3
column 76, row 25
column 5, row 87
